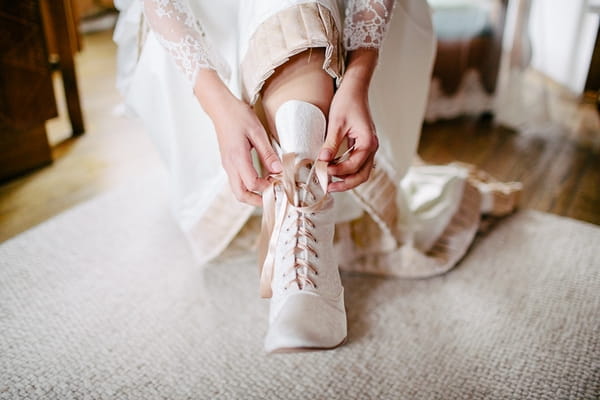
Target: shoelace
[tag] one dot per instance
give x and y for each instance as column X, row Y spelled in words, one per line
column 286, row 183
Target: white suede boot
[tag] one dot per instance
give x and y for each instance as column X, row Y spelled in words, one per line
column 300, row 272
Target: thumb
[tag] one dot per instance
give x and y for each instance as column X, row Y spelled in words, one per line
column 333, row 140
column 267, row 154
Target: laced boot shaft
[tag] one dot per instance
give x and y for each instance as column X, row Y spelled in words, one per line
column 299, row 269
column 295, row 205
column 303, row 271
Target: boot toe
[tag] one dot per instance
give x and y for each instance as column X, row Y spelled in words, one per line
column 307, row 321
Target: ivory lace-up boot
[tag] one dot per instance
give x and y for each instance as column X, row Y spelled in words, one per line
column 300, row 272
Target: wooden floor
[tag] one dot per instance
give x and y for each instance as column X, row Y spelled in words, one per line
column 113, row 151
column 558, row 176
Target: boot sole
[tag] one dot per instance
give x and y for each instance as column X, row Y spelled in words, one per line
column 285, row 350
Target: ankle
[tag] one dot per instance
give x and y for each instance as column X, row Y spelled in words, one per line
column 301, row 128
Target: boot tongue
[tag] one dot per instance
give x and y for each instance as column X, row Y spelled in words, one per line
column 301, row 128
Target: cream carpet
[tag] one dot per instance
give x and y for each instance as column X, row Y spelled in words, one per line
column 105, row 302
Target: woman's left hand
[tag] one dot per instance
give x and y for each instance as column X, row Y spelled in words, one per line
column 350, row 119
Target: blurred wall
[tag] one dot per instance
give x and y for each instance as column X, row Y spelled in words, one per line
column 562, row 35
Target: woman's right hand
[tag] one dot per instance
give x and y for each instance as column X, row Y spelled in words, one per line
column 238, row 131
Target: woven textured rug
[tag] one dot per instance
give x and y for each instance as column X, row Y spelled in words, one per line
column 105, row 302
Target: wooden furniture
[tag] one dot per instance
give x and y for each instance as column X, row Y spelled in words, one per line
column 592, row 83
column 60, row 21
column 469, row 50
column 469, row 38
column 26, row 91
column 86, row 8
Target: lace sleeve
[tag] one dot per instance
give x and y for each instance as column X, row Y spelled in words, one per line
column 366, row 22
column 180, row 33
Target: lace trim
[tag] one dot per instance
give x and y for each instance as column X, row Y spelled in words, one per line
column 180, row 33
column 366, row 23
column 188, row 54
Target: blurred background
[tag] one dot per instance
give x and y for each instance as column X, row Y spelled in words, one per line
column 515, row 91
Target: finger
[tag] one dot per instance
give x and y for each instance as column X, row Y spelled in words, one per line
column 352, row 165
column 251, row 198
column 265, row 151
column 365, row 147
column 248, row 175
column 333, row 140
column 242, row 194
column 352, row 181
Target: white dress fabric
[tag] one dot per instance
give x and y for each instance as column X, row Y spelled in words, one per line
column 414, row 221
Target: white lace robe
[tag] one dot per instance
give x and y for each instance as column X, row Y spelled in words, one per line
column 181, row 34
column 407, row 210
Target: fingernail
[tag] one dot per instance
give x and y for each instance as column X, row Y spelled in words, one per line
column 276, row 166
column 325, row 155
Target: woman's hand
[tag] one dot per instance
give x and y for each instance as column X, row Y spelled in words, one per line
column 350, row 119
column 238, row 131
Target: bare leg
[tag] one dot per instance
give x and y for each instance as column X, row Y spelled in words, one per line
column 301, row 78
